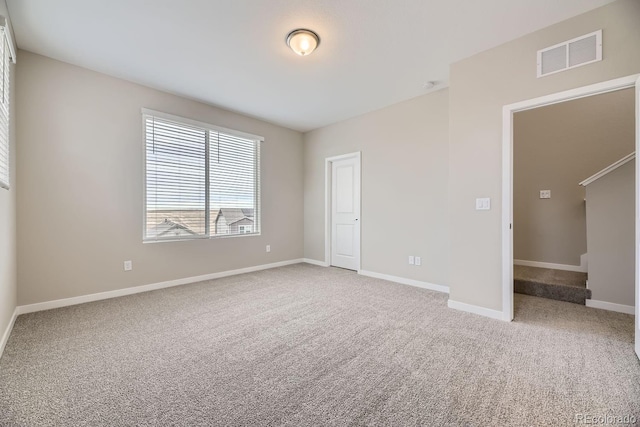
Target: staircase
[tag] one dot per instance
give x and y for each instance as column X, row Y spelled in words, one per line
column 560, row 285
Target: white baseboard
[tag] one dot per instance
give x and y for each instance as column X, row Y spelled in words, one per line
column 403, row 281
column 7, row 331
column 475, row 309
column 315, row 262
column 566, row 267
column 604, row 305
column 48, row 305
column 584, row 263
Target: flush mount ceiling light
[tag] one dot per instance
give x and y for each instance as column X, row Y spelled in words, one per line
column 302, row 41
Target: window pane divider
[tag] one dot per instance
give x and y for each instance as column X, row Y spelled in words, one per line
column 207, row 198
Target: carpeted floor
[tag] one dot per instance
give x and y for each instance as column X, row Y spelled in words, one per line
column 561, row 285
column 305, row 346
column 550, row 276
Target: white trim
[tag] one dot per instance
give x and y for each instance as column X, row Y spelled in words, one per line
column 486, row 312
column 507, row 169
column 577, row 93
column 507, row 212
column 48, row 305
column 608, row 169
column 315, row 262
column 7, row 332
column 327, row 204
column 184, row 120
column 327, row 211
column 565, row 267
column 637, row 224
column 604, row 305
column 403, row 281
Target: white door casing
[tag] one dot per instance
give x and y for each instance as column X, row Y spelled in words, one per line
column 345, row 212
column 637, row 341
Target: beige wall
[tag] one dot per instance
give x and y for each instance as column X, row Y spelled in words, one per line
column 404, row 191
column 80, row 171
column 556, row 147
column 610, row 236
column 80, row 195
column 480, row 86
column 8, row 258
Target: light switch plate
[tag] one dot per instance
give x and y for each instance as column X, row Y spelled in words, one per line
column 483, row 204
column 545, row 194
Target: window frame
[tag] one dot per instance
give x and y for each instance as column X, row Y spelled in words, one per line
column 8, row 58
column 146, row 113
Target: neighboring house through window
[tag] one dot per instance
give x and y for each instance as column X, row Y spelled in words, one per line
column 201, row 181
column 234, row 221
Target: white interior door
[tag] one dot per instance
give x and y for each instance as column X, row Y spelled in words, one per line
column 637, row 220
column 345, row 213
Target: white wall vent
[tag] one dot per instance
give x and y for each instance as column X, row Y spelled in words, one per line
column 574, row 53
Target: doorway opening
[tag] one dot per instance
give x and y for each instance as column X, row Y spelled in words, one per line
column 507, row 183
column 573, row 192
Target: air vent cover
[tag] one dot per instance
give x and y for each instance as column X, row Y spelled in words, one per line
column 580, row 51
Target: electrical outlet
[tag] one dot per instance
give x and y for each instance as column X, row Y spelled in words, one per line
column 268, row 248
column 545, row 194
column 411, row 260
column 418, row 260
column 128, row 266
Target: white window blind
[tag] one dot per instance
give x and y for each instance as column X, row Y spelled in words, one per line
column 4, row 108
column 201, row 181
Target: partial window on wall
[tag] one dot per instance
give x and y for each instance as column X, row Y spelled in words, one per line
column 5, row 68
column 201, row 181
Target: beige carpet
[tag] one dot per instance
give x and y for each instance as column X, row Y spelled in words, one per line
column 550, row 276
column 305, row 345
column 560, row 285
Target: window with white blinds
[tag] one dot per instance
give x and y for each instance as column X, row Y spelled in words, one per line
column 4, row 108
column 201, row 181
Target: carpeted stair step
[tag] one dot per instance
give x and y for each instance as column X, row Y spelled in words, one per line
column 552, row 284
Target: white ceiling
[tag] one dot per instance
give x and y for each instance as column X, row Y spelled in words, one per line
column 232, row 54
